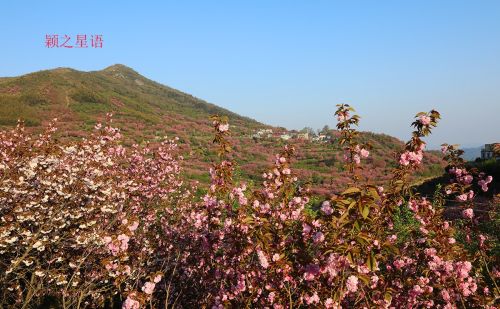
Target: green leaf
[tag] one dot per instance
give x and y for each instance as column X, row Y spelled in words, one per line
column 247, row 220
column 364, row 278
column 366, row 212
column 373, row 193
column 345, row 202
column 356, row 225
column 388, row 297
column 391, row 248
column 344, row 215
column 349, row 258
column 351, row 190
column 371, row 262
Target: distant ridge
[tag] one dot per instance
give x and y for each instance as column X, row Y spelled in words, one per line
column 471, row 153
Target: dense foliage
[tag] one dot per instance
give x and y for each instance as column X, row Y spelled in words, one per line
column 92, row 224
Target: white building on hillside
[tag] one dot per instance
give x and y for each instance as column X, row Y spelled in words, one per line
column 263, row 133
column 304, row 136
column 285, row 137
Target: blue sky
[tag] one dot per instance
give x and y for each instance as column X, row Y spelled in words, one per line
column 289, row 63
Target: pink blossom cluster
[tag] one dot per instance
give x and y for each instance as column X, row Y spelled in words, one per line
column 484, row 181
column 359, row 153
column 439, row 279
column 412, row 158
column 343, row 116
column 424, row 120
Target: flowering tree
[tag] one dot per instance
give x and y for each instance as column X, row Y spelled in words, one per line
column 77, row 219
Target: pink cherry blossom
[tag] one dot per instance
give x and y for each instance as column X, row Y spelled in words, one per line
column 133, row 226
column 468, row 179
column 468, row 213
column 445, row 295
column 352, row 284
column 312, row 299
column 223, row 127
column 131, row 303
column 356, row 159
column 404, row 159
column 364, row 153
column 446, row 225
column 319, row 237
column 326, row 208
column 262, row 259
column 462, row 197
column 124, row 239
column 148, row 287
column 425, row 120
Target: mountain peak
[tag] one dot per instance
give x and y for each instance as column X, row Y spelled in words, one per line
column 123, row 71
column 119, row 68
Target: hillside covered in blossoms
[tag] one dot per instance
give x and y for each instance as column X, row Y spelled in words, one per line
column 146, row 111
